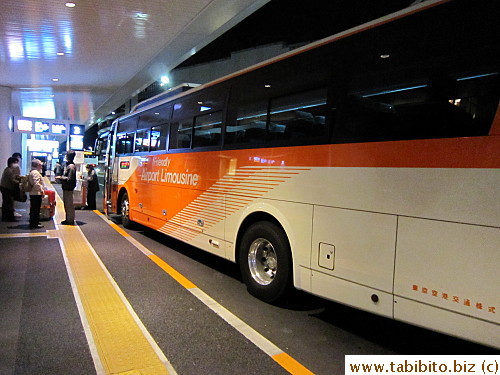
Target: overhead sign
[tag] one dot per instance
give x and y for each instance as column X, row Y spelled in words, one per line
column 77, row 129
column 56, row 128
column 42, row 127
column 41, row 145
column 46, row 126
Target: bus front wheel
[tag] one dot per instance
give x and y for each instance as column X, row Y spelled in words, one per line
column 125, row 212
column 265, row 262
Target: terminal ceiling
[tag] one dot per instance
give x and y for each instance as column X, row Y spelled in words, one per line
column 104, row 52
column 91, row 58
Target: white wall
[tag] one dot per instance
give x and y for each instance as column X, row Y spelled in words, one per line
column 5, row 133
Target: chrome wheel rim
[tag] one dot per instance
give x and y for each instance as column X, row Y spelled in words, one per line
column 262, row 261
column 125, row 209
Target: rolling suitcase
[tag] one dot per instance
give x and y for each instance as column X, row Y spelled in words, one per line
column 48, row 208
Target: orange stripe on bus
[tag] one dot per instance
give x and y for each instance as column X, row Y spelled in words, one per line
column 291, row 365
column 472, row 152
column 172, row 272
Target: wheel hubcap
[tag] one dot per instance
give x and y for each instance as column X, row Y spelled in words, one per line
column 262, row 261
column 125, row 209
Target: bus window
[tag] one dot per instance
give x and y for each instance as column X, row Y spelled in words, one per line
column 210, row 100
column 128, row 125
column 125, row 143
column 207, row 130
column 180, row 134
column 299, row 117
column 158, row 138
column 155, row 116
column 142, row 141
column 441, row 105
column 428, row 87
column 250, row 126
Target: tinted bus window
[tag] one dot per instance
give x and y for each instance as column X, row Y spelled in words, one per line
column 125, row 143
column 127, row 125
column 155, row 116
column 181, row 134
column 250, row 124
column 439, row 106
column 299, row 117
column 207, row 130
column 158, row 138
column 434, row 85
column 142, row 141
column 247, row 111
column 211, row 100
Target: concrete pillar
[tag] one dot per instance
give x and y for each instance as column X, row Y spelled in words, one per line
column 5, row 132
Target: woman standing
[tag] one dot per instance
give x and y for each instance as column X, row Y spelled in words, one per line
column 92, row 187
column 36, row 193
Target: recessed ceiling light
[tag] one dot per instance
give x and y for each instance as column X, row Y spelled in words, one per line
column 55, row 79
column 164, row 80
column 385, row 56
column 267, row 86
column 70, row 5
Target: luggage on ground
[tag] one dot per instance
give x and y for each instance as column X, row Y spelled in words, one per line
column 48, row 208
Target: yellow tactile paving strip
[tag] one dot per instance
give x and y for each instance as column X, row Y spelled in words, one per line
column 283, row 359
column 120, row 342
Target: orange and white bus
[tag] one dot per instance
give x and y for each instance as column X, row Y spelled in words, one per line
column 363, row 168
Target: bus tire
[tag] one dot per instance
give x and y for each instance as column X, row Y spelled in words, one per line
column 125, row 212
column 265, row 262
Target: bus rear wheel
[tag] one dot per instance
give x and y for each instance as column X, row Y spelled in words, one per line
column 125, row 212
column 265, row 262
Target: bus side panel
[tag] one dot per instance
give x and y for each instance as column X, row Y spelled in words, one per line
column 353, row 257
column 465, row 195
column 352, row 294
column 196, row 210
column 450, row 266
column 448, row 322
column 363, row 244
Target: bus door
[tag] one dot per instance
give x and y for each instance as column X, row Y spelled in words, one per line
column 108, row 175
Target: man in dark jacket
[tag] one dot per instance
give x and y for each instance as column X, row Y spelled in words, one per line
column 9, row 185
column 68, row 182
column 92, row 187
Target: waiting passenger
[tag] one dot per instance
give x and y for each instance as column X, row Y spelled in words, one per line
column 9, row 185
column 92, row 187
column 36, row 193
column 68, row 181
column 17, row 171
